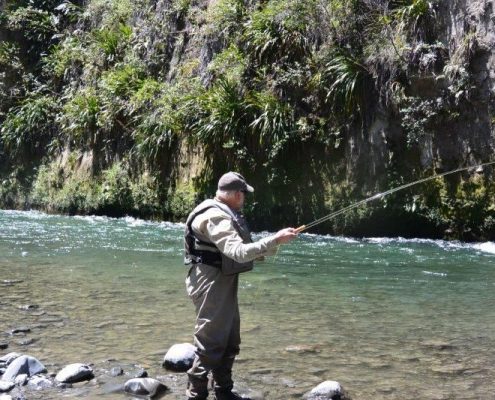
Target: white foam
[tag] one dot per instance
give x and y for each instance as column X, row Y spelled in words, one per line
column 435, row 273
column 487, row 247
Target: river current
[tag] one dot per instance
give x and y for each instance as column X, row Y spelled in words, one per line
column 387, row 318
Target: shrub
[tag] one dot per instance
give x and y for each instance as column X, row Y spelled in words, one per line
column 116, row 195
column 30, row 126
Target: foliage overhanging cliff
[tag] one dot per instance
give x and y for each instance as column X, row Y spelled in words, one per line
column 137, row 107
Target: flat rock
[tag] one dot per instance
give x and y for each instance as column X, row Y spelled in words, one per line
column 76, row 372
column 179, row 357
column 328, row 390
column 23, row 365
column 144, row 387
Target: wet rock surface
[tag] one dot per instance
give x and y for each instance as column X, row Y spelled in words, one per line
column 179, row 357
column 23, row 365
column 328, row 390
column 73, row 373
column 144, row 387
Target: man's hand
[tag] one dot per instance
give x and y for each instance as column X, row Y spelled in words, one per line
column 285, row 235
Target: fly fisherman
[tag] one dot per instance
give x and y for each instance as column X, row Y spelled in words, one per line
column 218, row 246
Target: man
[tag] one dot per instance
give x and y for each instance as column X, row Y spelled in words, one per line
column 218, row 247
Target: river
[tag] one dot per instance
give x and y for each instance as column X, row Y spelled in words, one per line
column 387, row 318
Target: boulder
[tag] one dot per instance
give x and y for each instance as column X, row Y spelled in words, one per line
column 75, row 373
column 179, row 357
column 5, row 397
column 6, row 386
column 144, row 387
column 328, row 390
column 23, row 365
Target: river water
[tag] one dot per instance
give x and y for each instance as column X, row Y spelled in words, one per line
column 387, row 318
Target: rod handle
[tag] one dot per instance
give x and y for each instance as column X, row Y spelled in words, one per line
column 300, row 229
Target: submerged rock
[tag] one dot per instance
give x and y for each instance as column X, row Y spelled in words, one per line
column 23, row 365
column 21, row 329
column 328, row 390
column 116, row 371
column 179, row 357
column 76, row 372
column 144, row 387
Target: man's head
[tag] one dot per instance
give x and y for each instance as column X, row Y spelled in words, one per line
column 232, row 188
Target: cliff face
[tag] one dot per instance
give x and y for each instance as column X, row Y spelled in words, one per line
column 138, row 107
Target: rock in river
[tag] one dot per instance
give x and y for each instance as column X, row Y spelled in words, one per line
column 328, row 390
column 23, row 365
column 75, row 373
column 179, row 357
column 144, row 387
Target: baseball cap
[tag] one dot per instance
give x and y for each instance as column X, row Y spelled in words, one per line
column 234, row 181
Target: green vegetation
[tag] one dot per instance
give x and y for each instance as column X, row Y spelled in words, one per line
column 319, row 103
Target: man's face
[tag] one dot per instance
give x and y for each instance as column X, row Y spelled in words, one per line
column 239, row 200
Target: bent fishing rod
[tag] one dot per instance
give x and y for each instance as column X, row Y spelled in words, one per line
column 377, row 196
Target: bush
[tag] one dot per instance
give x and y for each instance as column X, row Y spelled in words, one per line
column 29, row 127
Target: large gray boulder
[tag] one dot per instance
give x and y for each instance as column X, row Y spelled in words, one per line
column 23, row 365
column 328, row 390
column 73, row 373
column 144, row 387
column 179, row 357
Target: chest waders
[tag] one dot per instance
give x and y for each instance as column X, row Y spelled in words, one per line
column 212, row 286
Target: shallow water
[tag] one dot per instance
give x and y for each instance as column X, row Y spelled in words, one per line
column 387, row 318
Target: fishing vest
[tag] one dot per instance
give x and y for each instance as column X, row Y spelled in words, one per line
column 213, row 257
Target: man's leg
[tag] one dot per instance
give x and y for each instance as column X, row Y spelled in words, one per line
column 222, row 375
column 214, row 296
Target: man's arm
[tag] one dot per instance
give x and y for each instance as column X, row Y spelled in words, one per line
column 220, row 230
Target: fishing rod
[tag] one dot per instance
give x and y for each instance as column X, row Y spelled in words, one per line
column 334, row 214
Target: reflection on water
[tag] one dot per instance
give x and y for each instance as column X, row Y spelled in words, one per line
column 388, row 318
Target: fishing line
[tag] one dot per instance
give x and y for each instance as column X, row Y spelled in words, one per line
column 377, row 196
